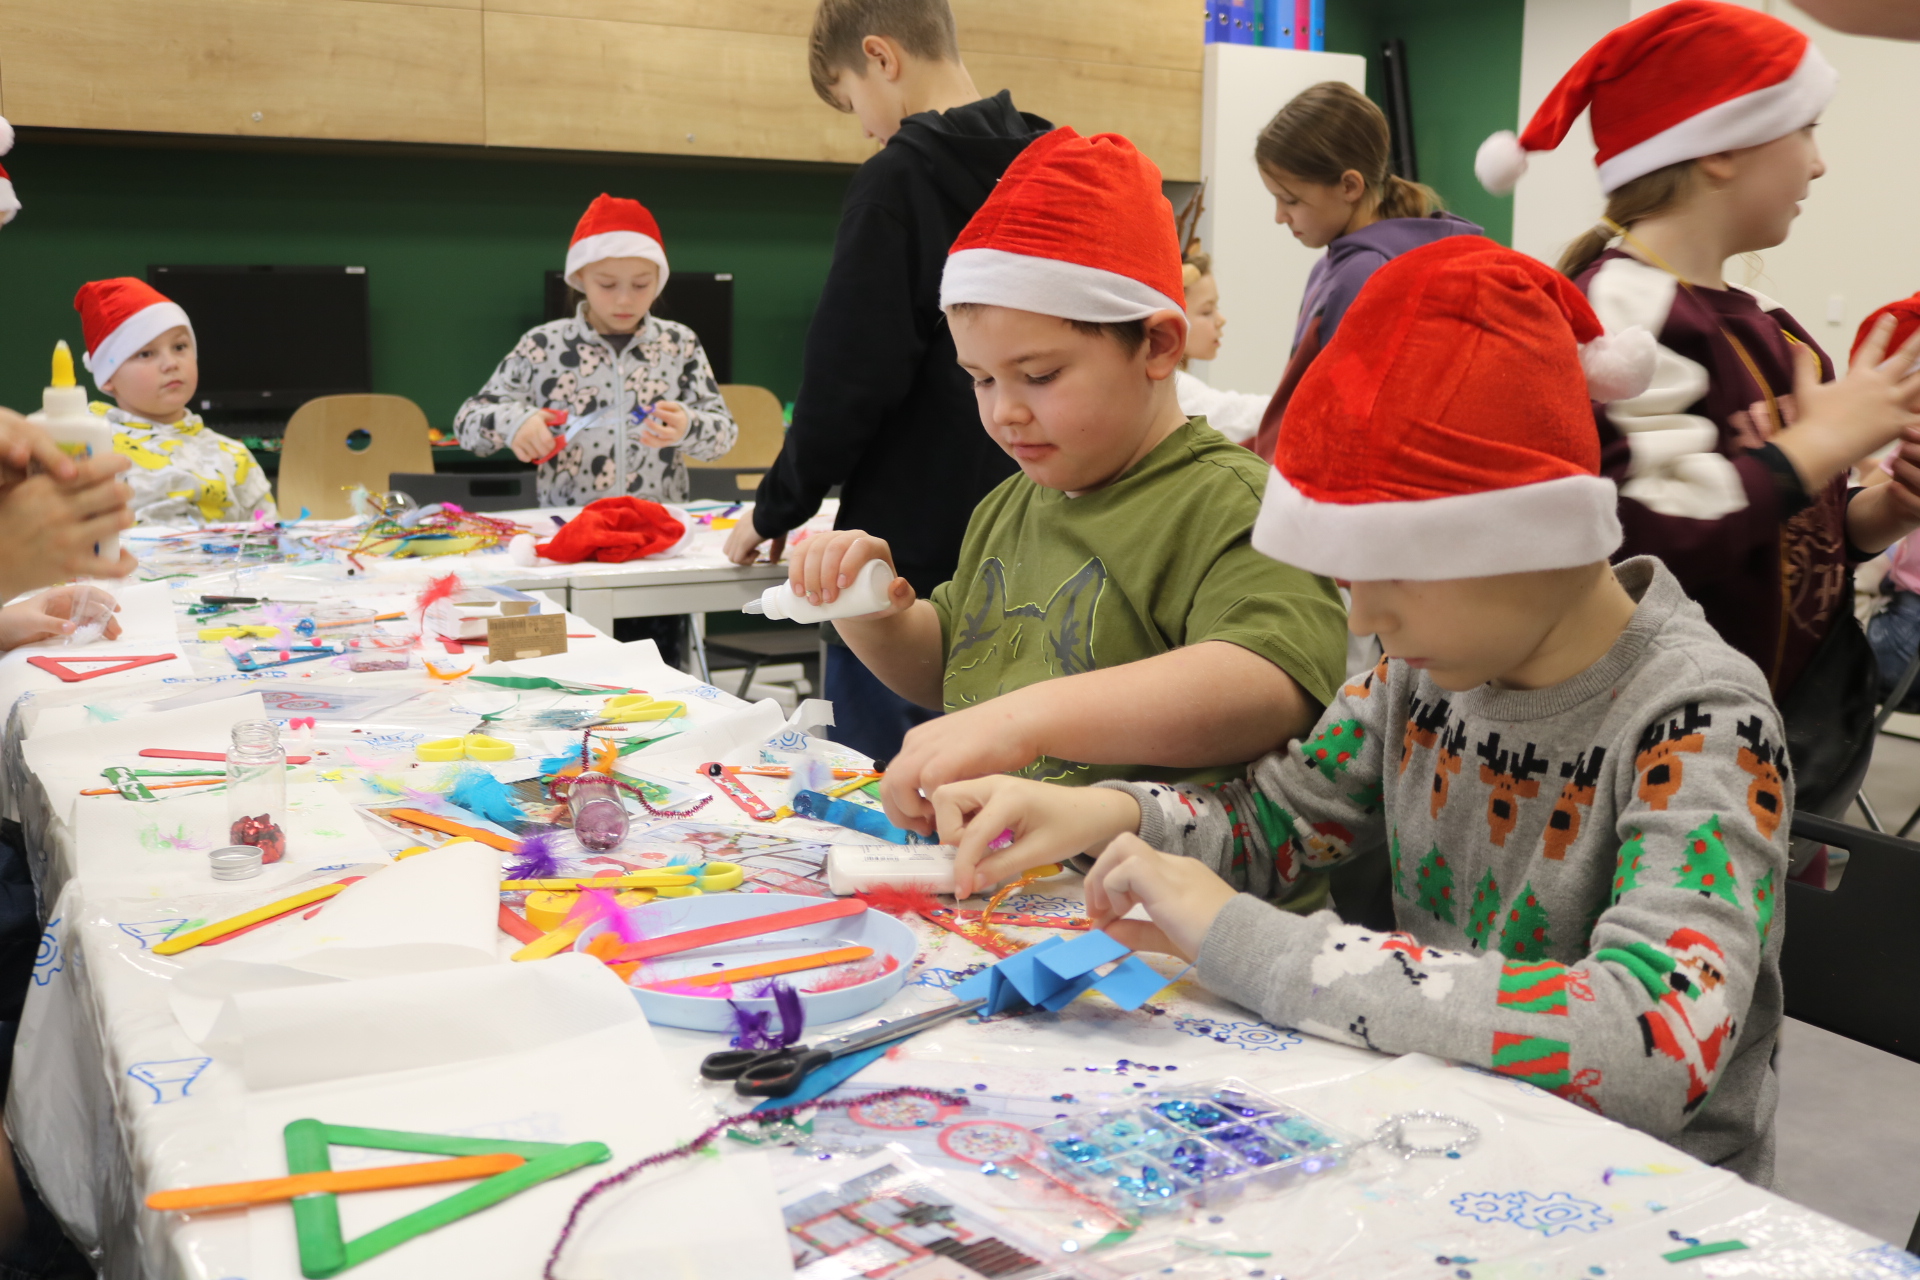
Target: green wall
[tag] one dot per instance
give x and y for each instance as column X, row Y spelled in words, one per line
column 454, row 242
column 1463, row 68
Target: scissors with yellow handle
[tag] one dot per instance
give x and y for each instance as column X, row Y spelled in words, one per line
column 474, row 746
column 630, row 708
column 241, row 631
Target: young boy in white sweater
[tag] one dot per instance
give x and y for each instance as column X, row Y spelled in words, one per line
column 1580, row 788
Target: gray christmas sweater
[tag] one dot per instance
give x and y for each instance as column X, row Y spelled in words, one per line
column 1586, row 877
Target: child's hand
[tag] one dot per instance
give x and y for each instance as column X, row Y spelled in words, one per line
column 824, row 565
column 533, row 439
column 48, row 615
column 1842, row 421
column 974, row 742
column 667, row 425
column 1181, row 895
column 744, row 542
column 1049, row 824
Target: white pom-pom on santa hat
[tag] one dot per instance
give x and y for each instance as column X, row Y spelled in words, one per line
column 1619, row 366
column 1499, row 162
column 9, row 202
column 6, row 136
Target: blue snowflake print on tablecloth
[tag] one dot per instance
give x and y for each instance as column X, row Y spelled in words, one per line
column 706, row 691
column 1036, row 904
column 789, row 741
column 1550, row 1214
column 170, row 1080
column 1241, row 1035
column 1883, row 1262
column 148, row 932
column 940, row 979
column 395, row 741
column 50, row 960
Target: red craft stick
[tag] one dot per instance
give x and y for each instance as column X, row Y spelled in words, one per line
column 516, row 928
column 648, row 948
column 168, row 753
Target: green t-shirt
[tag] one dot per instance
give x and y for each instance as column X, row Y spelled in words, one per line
column 1049, row 585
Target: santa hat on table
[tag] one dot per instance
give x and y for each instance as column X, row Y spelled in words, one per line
column 120, row 316
column 9, row 202
column 614, row 227
column 1687, row 80
column 1447, row 430
column 1076, row 228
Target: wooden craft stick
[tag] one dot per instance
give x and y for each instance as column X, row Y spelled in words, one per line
column 187, row 941
column 156, row 786
column 838, row 909
column 560, row 939
column 771, row 969
column 168, row 753
column 308, row 914
column 516, row 928
column 236, row 1195
column 638, row 880
column 447, row 826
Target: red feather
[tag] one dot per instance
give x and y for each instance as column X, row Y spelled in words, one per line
column 853, row 975
column 899, row 900
column 437, row 590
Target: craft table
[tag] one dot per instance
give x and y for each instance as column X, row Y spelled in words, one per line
column 124, row 1081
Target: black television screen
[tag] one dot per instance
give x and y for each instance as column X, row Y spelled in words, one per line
column 700, row 300
column 273, row 337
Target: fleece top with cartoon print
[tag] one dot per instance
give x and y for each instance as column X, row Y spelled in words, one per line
column 566, row 364
column 185, row 474
column 1586, row 877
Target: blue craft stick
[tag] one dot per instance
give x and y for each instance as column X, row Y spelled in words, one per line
column 1132, row 983
column 841, row 813
column 1084, row 954
column 827, row 1078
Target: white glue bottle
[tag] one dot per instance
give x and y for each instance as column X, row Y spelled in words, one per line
column 867, row 593
column 79, row 432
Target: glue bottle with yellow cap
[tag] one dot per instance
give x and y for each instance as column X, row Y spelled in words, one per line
column 78, row 431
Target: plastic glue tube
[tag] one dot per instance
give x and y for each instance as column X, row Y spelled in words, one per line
column 79, row 432
column 852, row 868
column 867, row 593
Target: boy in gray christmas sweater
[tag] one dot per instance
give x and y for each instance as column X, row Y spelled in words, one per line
column 1582, row 791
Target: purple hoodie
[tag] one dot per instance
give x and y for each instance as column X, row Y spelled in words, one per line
column 1332, row 286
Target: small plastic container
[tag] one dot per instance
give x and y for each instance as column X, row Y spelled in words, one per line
column 867, row 593
column 257, row 789
column 599, row 815
column 236, row 862
column 92, row 610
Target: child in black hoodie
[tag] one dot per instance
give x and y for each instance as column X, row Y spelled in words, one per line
column 884, row 410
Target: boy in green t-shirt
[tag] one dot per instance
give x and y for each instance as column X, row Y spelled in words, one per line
column 1109, row 617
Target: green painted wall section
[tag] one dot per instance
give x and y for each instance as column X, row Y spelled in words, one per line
column 1463, row 65
column 454, row 245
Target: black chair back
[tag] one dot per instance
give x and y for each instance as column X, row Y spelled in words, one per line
column 475, row 491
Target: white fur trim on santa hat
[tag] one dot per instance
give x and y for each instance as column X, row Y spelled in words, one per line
column 135, row 332
column 6, row 136
column 1745, row 121
column 1049, row 286
column 1499, row 162
column 583, row 253
column 1556, row 524
column 1619, row 366
column 9, row 202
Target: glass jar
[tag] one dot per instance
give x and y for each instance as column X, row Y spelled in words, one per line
column 257, row 789
column 599, row 815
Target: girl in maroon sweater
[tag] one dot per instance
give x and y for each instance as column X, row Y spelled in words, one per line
column 1732, row 465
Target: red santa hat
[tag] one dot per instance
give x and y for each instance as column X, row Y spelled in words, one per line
column 1686, row 80
column 1076, row 228
column 9, row 202
column 120, row 316
column 615, row 227
column 1686, row 940
column 1906, row 318
column 1447, row 430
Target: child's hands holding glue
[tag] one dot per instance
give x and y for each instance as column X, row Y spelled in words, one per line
column 533, row 439
column 824, row 565
column 666, row 425
column 1049, row 824
column 1181, row 895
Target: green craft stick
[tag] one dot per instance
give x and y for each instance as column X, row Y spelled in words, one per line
column 129, row 786
column 316, row 1219
column 1704, row 1250
column 433, row 1144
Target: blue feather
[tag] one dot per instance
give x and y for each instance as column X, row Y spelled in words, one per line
column 478, row 791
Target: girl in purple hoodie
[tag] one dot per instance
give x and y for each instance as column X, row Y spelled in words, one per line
column 1324, row 157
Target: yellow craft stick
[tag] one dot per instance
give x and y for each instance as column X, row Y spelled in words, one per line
column 852, row 785
column 638, row 880
column 237, row 1195
column 771, row 969
column 220, row 929
column 560, row 939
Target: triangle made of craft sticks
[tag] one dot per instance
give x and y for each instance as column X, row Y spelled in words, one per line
column 316, row 1218
column 58, row 667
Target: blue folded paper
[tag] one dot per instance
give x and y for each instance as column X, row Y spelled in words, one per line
column 1051, row 974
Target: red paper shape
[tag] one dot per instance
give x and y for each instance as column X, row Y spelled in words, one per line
column 58, row 667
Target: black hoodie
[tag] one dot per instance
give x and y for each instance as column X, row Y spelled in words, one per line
column 883, row 409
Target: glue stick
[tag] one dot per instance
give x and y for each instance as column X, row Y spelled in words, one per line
column 867, row 593
column 79, row 432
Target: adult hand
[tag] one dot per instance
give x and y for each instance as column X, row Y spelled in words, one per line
column 667, row 425
column 1181, row 895
column 49, row 530
column 1048, row 824
column 823, row 566
column 23, row 444
column 50, row 615
column 533, row 439
column 975, row 742
column 744, row 542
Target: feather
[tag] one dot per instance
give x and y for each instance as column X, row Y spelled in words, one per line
column 535, row 858
column 372, row 764
column 852, row 975
column 793, row 1015
column 808, row 775
column 607, row 758
column 899, row 900
column 600, row 904
column 437, row 590
column 478, row 791
column 750, row 1028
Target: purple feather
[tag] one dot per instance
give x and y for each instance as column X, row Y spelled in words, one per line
column 535, row 858
column 750, row 1028
column 753, row 1029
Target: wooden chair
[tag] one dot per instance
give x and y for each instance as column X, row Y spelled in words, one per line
column 763, row 426
column 319, row 465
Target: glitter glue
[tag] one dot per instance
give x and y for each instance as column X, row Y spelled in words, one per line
column 867, row 593
column 79, row 432
column 599, row 816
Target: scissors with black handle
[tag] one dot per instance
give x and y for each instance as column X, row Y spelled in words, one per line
column 775, row 1073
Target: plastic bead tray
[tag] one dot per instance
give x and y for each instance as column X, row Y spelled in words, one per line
column 1189, row 1148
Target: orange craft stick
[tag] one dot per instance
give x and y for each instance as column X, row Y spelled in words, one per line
column 733, row 930
column 236, row 1195
column 447, row 826
column 155, row 786
column 771, row 969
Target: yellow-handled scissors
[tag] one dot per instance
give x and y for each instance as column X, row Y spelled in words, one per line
column 628, row 708
column 474, row 746
column 240, row 631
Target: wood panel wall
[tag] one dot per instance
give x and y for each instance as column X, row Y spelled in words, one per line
column 673, row 77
